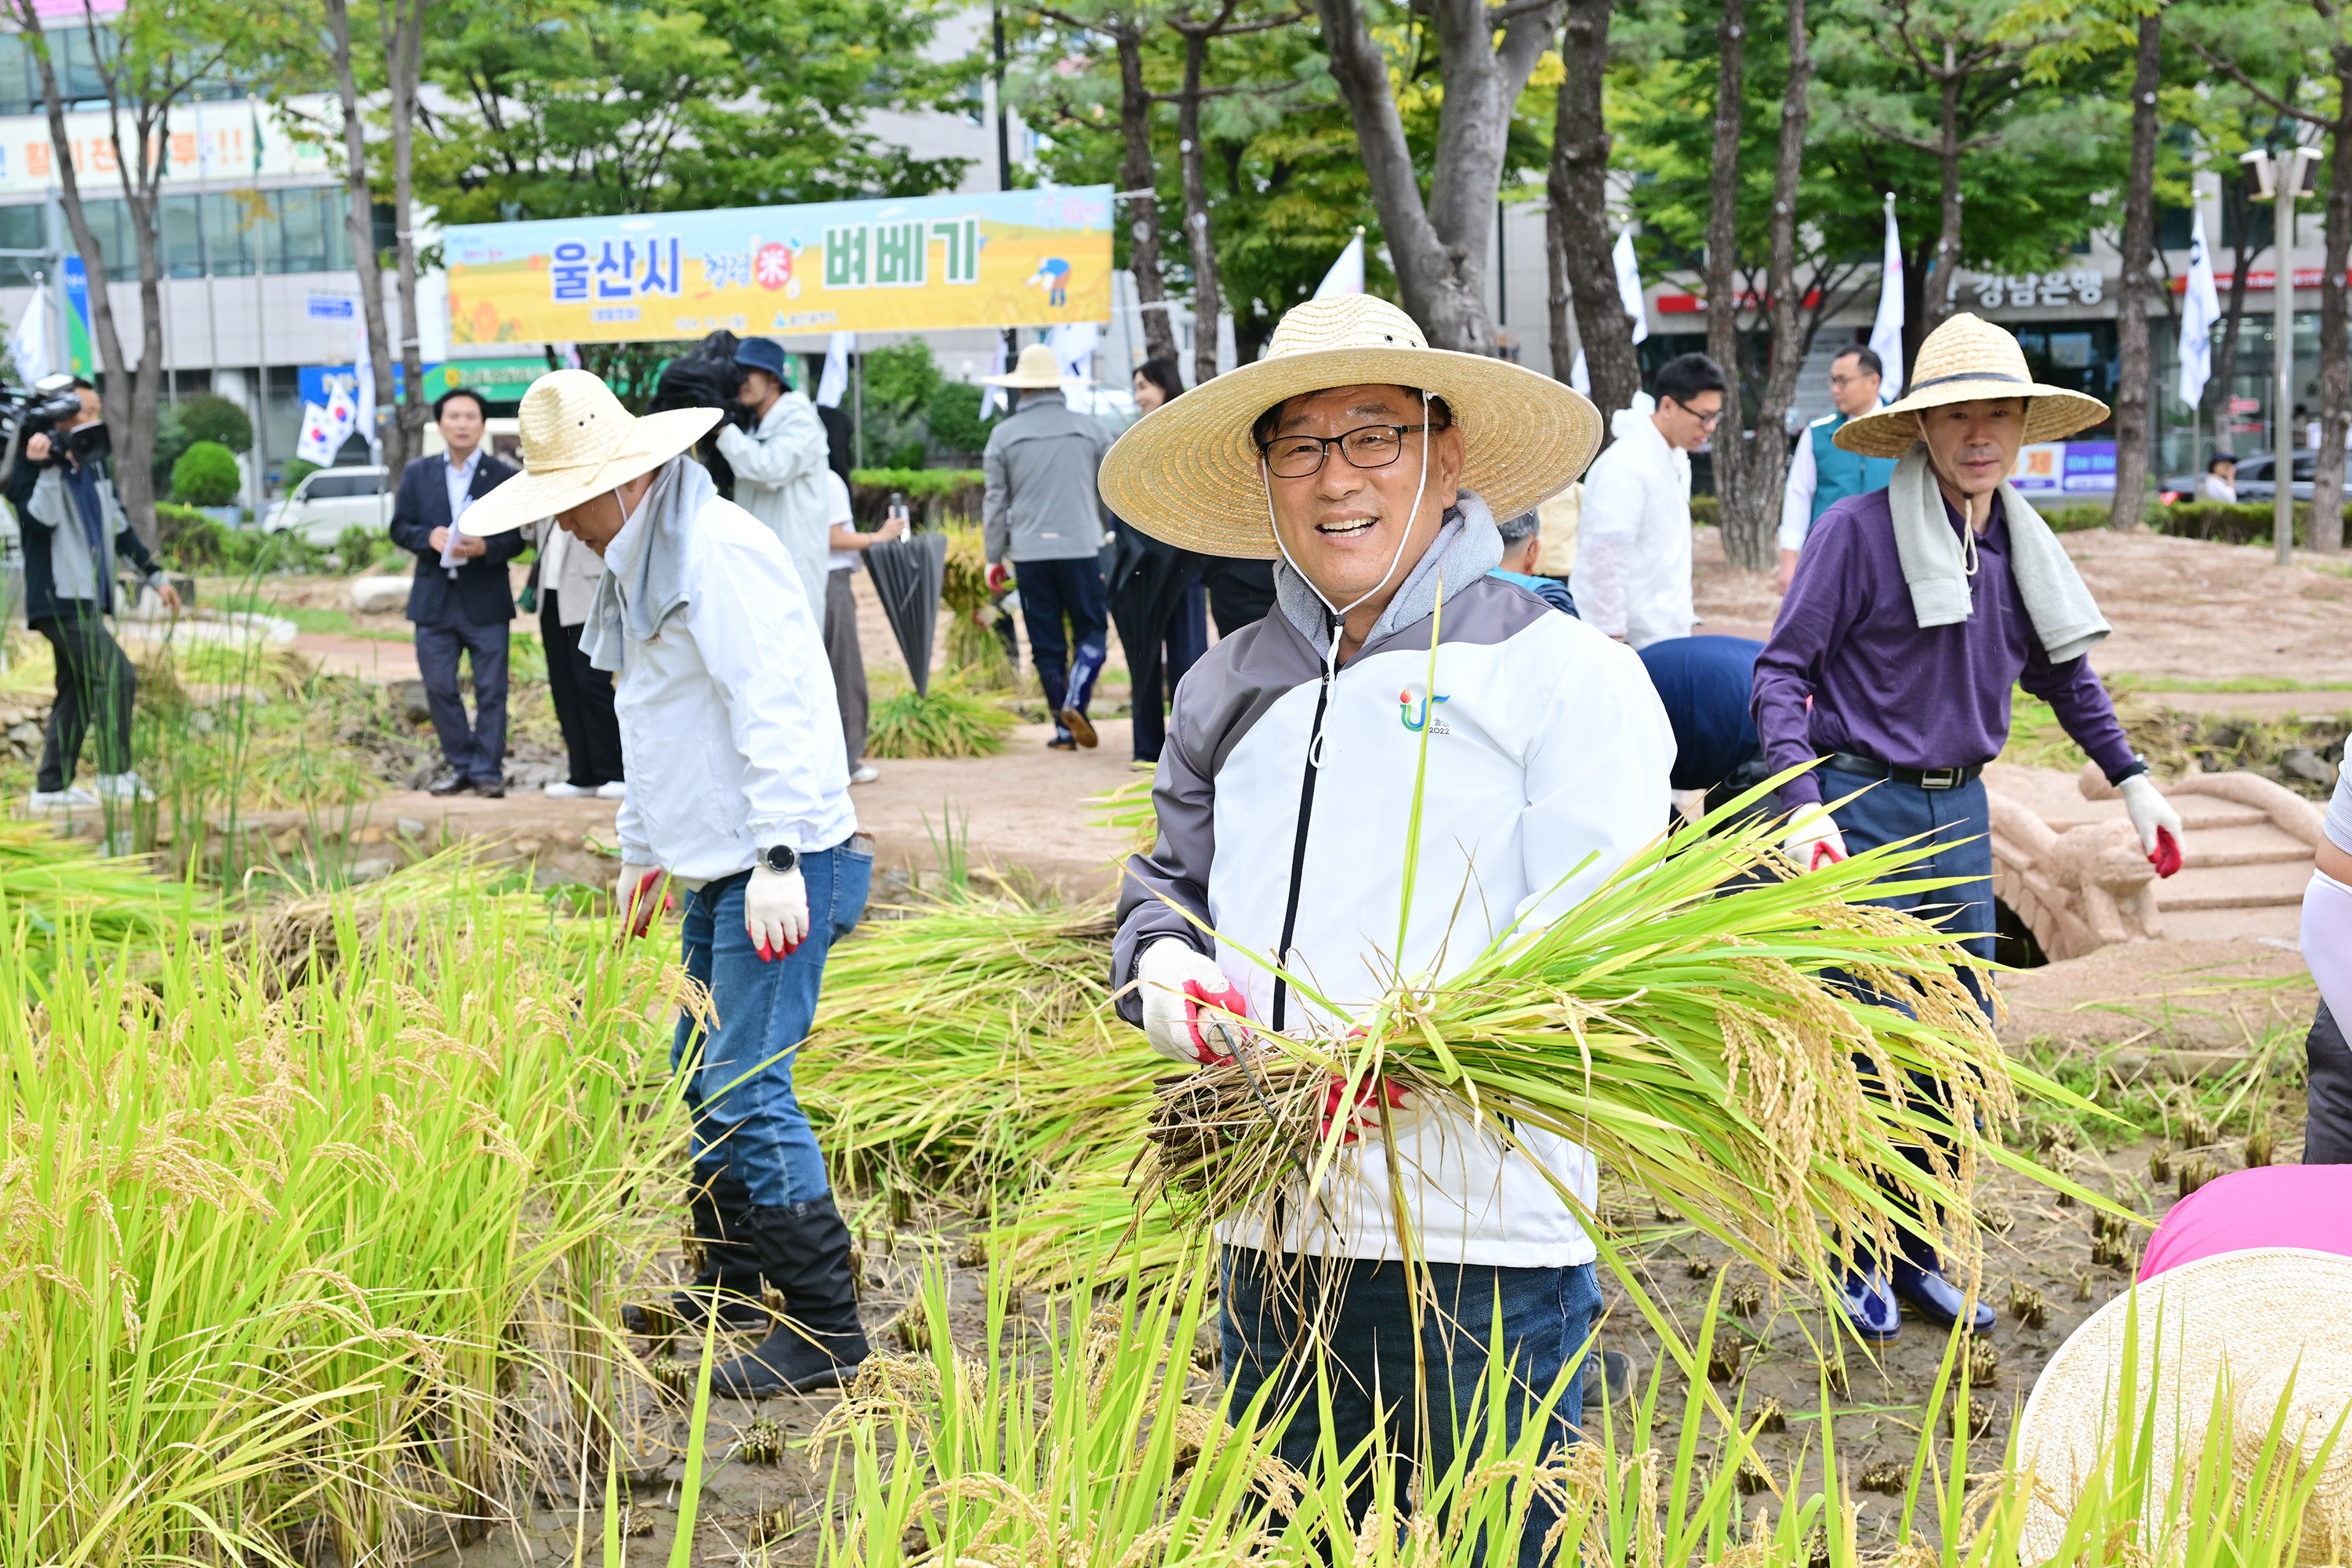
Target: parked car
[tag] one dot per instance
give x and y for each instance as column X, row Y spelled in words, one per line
column 330, row 500
column 2255, row 481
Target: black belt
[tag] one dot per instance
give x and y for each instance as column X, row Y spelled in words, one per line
column 1922, row 778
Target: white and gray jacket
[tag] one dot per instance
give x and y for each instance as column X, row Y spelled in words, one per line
column 780, row 479
column 1040, row 502
column 1546, row 745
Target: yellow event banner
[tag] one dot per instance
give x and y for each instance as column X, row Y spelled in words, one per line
column 1009, row 258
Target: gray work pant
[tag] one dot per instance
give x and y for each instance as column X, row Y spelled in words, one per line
column 476, row 751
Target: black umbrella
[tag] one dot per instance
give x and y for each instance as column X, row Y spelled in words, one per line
column 907, row 575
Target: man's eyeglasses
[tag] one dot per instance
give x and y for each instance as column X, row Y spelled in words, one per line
column 1706, row 421
column 1842, row 381
column 1366, row 446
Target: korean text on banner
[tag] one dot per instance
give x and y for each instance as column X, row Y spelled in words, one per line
column 1003, row 259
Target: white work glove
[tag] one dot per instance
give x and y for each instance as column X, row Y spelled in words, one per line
column 2153, row 817
column 775, row 912
column 1185, row 996
column 638, row 895
column 1813, row 839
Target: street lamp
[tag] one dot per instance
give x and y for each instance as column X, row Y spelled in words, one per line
column 2281, row 179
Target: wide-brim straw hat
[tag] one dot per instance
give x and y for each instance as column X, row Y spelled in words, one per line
column 2268, row 1318
column 1964, row 361
column 1187, row 471
column 1038, row 369
column 577, row 443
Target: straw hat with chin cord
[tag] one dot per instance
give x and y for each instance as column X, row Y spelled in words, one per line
column 2264, row 1326
column 577, row 443
column 1969, row 359
column 1038, row 369
column 1189, row 473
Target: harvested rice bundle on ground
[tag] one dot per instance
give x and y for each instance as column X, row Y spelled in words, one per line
column 1687, row 1025
column 47, row 882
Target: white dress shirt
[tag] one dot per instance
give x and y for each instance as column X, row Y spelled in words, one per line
column 1634, row 543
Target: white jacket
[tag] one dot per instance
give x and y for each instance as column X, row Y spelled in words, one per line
column 730, row 729
column 1634, row 546
column 779, row 479
column 1547, row 744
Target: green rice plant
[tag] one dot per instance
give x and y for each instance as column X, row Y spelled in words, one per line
column 51, row 886
column 1704, row 1022
column 946, row 721
column 269, row 1252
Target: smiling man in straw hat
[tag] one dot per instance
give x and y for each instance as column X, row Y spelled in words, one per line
column 1373, row 467
column 1913, row 612
column 739, row 788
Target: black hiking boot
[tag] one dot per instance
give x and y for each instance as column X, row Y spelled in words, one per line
column 729, row 1272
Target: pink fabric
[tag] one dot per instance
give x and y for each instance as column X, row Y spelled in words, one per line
column 2269, row 1206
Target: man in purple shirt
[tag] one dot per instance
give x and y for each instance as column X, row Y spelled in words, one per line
column 1913, row 612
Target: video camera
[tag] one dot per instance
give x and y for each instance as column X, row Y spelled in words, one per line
column 26, row 412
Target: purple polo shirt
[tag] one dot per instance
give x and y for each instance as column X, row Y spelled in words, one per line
column 1883, row 686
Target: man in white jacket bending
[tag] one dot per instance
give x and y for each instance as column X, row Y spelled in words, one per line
column 1633, row 547
column 1374, row 465
column 739, row 789
column 779, row 456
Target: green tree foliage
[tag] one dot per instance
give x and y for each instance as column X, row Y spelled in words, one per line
column 208, row 416
column 953, row 414
column 565, row 108
column 205, row 475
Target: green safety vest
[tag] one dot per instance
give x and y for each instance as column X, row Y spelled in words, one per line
column 1838, row 473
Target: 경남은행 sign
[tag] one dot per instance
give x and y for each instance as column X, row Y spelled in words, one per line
column 1002, row 259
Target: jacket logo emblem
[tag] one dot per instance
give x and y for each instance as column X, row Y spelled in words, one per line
column 1413, row 712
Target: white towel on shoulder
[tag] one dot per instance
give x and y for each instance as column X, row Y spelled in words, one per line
column 1934, row 566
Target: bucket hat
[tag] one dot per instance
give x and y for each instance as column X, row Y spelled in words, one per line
column 1965, row 360
column 2268, row 1318
column 577, row 443
column 1038, row 369
column 761, row 353
column 1188, row 473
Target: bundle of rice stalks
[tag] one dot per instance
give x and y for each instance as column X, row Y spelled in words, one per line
column 1744, row 1042
column 975, row 1047
column 47, row 882
column 946, row 721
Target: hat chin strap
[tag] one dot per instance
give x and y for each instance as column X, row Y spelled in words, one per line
column 1339, row 616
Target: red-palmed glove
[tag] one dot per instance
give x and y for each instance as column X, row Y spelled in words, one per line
column 1813, row 839
column 1185, row 995
column 1404, row 1108
column 634, row 896
column 999, row 573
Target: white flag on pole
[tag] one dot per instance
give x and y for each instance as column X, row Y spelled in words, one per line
column 834, row 381
column 319, row 440
column 992, row 399
column 1347, row 274
column 2200, row 307
column 1073, row 344
column 1629, row 295
column 1887, row 331
column 29, row 344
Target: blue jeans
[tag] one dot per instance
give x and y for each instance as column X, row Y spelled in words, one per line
column 1547, row 1316
column 747, row 1122
column 1050, row 591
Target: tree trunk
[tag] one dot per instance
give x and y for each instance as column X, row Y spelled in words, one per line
column 1136, row 174
column 1208, row 299
column 361, row 219
column 404, row 58
column 2135, row 388
column 1578, row 227
column 1439, row 250
column 93, row 258
column 2335, row 351
column 1937, row 288
column 1731, row 443
column 1752, row 542
column 134, row 453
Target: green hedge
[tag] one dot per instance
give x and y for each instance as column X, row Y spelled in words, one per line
column 205, row 475
column 2245, row 524
column 197, row 544
column 930, row 492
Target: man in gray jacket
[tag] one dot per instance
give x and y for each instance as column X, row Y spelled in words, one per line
column 1042, row 513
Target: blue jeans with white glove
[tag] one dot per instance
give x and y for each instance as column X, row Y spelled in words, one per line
column 747, row 1121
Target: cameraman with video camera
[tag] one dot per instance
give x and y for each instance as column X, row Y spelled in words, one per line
column 74, row 530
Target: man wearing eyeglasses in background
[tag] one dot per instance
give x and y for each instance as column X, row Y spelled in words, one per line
column 1820, row 472
column 1633, row 577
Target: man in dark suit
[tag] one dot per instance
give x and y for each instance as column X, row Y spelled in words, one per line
column 461, row 602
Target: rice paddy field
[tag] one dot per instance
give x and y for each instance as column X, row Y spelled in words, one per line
column 320, row 1202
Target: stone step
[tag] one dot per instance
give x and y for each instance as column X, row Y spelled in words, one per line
column 2261, row 855
column 2198, row 814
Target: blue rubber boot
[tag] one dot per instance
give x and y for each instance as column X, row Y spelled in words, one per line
column 1869, row 1304
column 1937, row 1298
